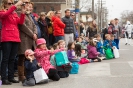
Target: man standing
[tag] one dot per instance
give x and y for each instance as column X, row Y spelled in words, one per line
column 70, row 27
column 58, row 26
column 117, row 32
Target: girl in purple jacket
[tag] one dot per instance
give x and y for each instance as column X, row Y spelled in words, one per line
column 92, row 51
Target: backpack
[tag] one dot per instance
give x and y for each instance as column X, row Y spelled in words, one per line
column 75, row 68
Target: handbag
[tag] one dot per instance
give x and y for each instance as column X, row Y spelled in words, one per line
column 108, row 53
column 40, row 75
column 75, row 68
column 61, row 58
column 116, row 53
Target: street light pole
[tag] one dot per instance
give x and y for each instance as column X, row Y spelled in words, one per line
column 93, row 9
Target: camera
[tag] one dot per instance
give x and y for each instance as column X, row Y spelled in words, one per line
column 23, row 4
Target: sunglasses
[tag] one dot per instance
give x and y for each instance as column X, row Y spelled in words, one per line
column 26, row 2
column 10, row 3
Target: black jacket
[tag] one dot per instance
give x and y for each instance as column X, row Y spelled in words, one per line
column 68, row 21
column 91, row 32
column 30, row 68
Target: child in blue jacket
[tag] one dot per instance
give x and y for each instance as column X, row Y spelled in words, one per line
column 99, row 44
column 109, row 42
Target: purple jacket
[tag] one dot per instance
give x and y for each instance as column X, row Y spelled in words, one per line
column 92, row 52
column 69, row 54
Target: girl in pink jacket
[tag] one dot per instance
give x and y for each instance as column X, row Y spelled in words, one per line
column 42, row 55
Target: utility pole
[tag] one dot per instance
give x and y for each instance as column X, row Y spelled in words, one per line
column 93, row 9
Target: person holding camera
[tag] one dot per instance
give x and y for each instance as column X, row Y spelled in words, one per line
column 28, row 36
column 10, row 38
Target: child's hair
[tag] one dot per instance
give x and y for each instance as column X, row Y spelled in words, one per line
column 70, row 45
column 55, row 46
column 50, row 47
column 97, row 35
column 60, row 41
column 91, row 42
column 107, row 35
column 78, row 49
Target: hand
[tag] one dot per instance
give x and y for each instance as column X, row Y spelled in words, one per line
column 107, row 44
column 30, row 58
column 116, row 29
column 23, row 9
column 113, row 47
column 98, row 52
column 35, row 37
column 39, row 64
column 19, row 3
column 101, row 46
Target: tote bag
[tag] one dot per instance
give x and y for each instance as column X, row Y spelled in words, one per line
column 61, row 58
column 40, row 75
column 116, row 53
column 108, row 53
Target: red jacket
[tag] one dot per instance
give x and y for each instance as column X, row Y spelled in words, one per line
column 10, row 21
column 58, row 26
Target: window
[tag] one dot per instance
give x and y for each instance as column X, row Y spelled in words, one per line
column 52, row 8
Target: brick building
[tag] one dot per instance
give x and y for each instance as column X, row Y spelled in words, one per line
column 47, row 5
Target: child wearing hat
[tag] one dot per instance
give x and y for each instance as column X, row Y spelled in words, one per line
column 42, row 55
column 31, row 65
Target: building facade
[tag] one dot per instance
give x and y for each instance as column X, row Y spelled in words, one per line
column 47, row 5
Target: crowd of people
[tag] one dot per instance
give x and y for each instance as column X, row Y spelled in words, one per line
column 35, row 39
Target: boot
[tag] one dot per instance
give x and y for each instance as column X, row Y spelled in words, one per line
column 21, row 75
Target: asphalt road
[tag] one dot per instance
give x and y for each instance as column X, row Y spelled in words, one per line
column 115, row 73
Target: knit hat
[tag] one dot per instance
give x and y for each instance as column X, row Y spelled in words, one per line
column 40, row 41
column 29, row 52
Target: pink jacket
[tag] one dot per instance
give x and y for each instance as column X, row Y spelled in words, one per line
column 43, row 57
column 10, row 21
column 92, row 52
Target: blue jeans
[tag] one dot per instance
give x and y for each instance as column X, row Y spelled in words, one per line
column 117, row 43
column 57, row 38
column 9, row 50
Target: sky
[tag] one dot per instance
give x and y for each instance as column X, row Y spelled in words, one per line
column 116, row 7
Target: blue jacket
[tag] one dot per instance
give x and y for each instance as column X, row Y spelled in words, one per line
column 109, row 44
column 30, row 68
column 99, row 47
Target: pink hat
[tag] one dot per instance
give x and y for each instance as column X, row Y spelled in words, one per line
column 29, row 52
column 40, row 41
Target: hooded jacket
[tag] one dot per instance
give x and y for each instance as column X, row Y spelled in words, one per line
column 58, row 26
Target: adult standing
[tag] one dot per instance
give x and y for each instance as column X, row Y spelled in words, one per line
column 10, row 38
column 92, row 29
column 28, row 35
column 69, row 28
column 128, row 32
column 117, row 32
column 58, row 26
column 44, row 27
column 49, row 16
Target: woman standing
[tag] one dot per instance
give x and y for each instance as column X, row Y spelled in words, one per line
column 10, row 38
column 50, row 27
column 92, row 29
column 28, row 35
column 44, row 27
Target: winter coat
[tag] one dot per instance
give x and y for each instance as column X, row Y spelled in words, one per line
column 91, row 32
column 111, row 29
column 50, row 25
column 109, row 44
column 43, row 57
column 99, row 47
column 27, row 30
column 117, row 33
column 58, row 26
column 30, row 67
column 44, row 30
column 129, row 27
column 70, row 27
column 10, row 21
column 92, row 52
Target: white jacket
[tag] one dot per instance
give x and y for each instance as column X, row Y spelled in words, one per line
column 129, row 27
